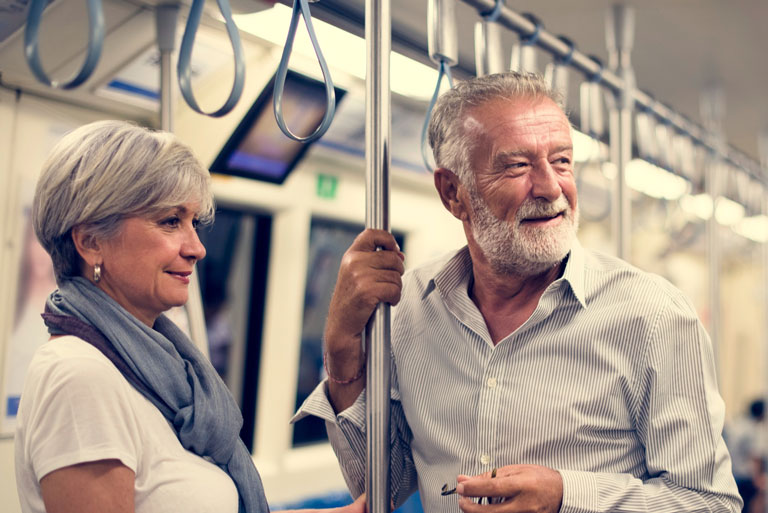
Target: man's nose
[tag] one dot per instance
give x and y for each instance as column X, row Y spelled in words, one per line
column 544, row 182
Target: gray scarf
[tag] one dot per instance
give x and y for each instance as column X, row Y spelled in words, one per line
column 164, row 365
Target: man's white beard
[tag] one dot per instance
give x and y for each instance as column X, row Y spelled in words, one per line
column 521, row 249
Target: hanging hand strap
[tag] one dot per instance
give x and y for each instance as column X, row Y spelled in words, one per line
column 185, row 55
column 301, row 8
column 95, row 43
column 493, row 15
column 444, row 70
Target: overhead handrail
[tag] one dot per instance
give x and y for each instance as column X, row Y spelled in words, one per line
column 95, row 43
column 301, row 8
column 184, row 68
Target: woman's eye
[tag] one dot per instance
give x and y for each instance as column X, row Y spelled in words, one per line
column 171, row 221
column 195, row 223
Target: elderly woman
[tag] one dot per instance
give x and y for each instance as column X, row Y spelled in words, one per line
column 120, row 412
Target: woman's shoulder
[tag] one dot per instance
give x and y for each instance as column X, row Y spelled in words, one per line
column 69, row 360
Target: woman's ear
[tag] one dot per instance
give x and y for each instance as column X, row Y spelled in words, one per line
column 450, row 189
column 87, row 246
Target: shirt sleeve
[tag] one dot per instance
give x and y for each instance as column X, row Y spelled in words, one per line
column 80, row 412
column 347, row 435
column 679, row 417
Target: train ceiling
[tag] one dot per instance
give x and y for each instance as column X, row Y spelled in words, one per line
column 682, row 47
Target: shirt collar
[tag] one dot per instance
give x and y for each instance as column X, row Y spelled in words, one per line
column 574, row 272
column 458, row 271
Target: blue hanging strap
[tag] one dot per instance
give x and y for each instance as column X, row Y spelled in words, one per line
column 95, row 42
column 184, row 67
column 596, row 77
column 301, row 8
column 493, row 14
column 533, row 37
column 444, row 70
column 567, row 58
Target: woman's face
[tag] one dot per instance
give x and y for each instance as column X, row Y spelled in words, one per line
column 147, row 266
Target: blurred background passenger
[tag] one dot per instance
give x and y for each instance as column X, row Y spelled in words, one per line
column 119, row 411
column 746, row 441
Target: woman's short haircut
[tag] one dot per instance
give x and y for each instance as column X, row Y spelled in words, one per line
column 103, row 172
column 448, row 138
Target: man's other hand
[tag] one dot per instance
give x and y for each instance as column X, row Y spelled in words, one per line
column 515, row 489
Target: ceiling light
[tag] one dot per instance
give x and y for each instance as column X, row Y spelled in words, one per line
column 699, row 205
column 585, row 148
column 654, row 181
column 754, row 228
column 728, row 212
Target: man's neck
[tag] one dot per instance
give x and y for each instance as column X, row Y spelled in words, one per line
column 507, row 300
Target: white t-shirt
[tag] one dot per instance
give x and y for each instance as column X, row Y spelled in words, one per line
column 77, row 407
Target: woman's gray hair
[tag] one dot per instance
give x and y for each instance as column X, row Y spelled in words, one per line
column 449, row 141
column 103, row 172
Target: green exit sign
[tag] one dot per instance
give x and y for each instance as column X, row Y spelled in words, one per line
column 327, row 186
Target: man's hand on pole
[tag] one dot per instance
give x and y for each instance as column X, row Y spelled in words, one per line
column 366, row 278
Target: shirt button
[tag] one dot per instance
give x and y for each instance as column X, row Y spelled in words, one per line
column 491, row 382
column 485, row 459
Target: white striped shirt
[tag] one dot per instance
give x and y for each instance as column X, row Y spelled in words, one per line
column 611, row 381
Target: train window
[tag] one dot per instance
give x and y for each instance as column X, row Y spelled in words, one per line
column 328, row 240
column 233, row 287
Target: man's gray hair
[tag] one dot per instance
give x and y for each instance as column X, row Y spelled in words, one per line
column 103, row 172
column 449, row 141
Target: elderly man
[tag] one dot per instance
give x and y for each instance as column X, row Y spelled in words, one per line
column 557, row 378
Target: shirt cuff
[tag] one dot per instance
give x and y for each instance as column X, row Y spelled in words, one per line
column 319, row 405
column 580, row 492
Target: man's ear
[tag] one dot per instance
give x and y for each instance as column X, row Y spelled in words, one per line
column 87, row 246
column 449, row 188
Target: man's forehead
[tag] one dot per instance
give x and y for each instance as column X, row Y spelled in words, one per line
column 513, row 113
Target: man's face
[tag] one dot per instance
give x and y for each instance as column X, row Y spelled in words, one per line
column 523, row 214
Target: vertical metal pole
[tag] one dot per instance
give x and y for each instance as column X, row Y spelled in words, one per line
column 378, row 117
column 620, row 33
column 712, row 111
column 713, row 252
column 763, row 150
column 762, row 145
column 166, row 16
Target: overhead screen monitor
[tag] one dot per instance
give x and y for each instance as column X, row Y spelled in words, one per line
column 258, row 148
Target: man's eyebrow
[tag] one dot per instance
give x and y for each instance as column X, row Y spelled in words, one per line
column 505, row 155
column 564, row 147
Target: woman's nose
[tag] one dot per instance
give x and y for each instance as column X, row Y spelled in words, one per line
column 192, row 247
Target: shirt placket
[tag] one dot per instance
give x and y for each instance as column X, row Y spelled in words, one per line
column 486, row 457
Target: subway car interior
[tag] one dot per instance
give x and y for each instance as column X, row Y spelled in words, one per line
column 673, row 180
